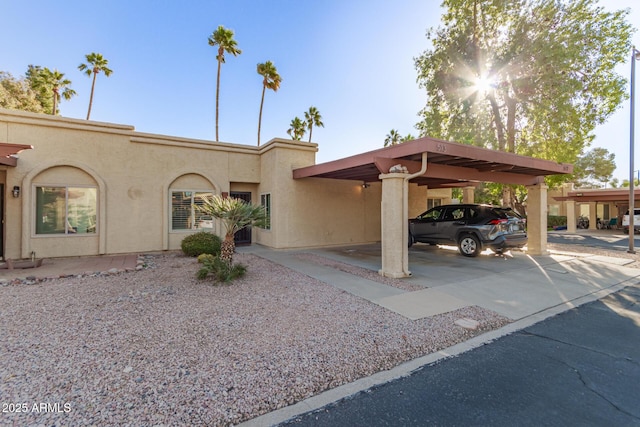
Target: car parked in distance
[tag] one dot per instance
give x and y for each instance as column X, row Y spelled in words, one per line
column 471, row 227
column 205, row 222
column 636, row 221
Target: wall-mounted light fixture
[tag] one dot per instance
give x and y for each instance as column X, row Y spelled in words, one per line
column 365, row 185
column 16, row 191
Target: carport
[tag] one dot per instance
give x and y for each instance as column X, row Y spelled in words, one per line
column 439, row 164
column 612, row 195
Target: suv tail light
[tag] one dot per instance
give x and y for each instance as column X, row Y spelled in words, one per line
column 498, row 221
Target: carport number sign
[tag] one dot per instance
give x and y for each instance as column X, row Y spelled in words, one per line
column 441, row 148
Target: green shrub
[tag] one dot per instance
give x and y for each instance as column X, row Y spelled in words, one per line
column 220, row 270
column 556, row 220
column 203, row 257
column 201, row 243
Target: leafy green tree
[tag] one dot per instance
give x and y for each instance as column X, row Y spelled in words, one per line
column 625, row 183
column 392, row 138
column 95, row 64
column 41, row 89
column 270, row 80
column 487, row 192
column 532, row 77
column 297, row 128
column 313, row 118
column 57, row 84
column 16, row 94
column 594, row 167
column 235, row 214
column 223, row 38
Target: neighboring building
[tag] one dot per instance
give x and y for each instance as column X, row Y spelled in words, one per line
column 606, row 204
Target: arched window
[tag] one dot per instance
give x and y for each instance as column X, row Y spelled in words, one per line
column 185, row 194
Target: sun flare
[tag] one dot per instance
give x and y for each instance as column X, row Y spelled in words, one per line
column 484, row 84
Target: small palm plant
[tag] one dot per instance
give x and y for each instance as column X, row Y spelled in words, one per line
column 297, row 128
column 393, row 138
column 235, row 214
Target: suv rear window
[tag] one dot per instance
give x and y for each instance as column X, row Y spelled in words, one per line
column 508, row 212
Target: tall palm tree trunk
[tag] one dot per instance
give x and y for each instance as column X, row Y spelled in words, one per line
column 93, row 85
column 217, row 98
column 310, row 132
column 264, row 88
column 55, row 100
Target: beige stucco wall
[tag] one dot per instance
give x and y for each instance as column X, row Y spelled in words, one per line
column 315, row 211
column 133, row 172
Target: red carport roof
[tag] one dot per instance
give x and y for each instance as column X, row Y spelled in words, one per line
column 604, row 195
column 7, row 151
column 450, row 164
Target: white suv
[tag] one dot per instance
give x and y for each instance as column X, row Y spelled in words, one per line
column 636, row 221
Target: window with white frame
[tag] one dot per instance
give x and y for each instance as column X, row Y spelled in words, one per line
column 265, row 202
column 184, row 212
column 66, row 210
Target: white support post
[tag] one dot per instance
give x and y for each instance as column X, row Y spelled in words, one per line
column 571, row 216
column 395, row 237
column 537, row 219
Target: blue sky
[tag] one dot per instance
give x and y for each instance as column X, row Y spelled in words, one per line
column 352, row 59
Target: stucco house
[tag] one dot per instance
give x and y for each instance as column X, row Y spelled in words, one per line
column 72, row 187
column 606, row 204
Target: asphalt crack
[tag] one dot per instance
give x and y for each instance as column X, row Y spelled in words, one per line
column 593, row 350
column 579, row 373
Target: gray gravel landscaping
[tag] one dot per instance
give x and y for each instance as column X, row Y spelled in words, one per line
column 158, row 347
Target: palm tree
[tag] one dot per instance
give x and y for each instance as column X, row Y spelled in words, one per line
column 271, row 80
column 235, row 214
column 58, row 85
column 223, row 38
column 96, row 64
column 392, row 138
column 297, row 128
column 409, row 137
column 313, row 118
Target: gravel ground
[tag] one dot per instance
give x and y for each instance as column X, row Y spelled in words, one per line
column 158, row 347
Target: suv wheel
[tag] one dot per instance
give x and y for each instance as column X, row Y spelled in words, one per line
column 469, row 245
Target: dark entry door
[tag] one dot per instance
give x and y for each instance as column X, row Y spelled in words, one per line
column 242, row 237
